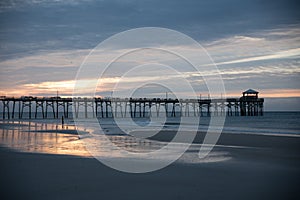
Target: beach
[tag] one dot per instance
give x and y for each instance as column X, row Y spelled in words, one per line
column 258, row 174
column 240, row 166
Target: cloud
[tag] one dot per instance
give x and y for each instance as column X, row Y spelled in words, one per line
column 255, row 44
column 291, row 53
column 43, row 59
column 233, row 55
column 45, row 24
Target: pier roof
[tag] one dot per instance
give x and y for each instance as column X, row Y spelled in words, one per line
column 250, row 91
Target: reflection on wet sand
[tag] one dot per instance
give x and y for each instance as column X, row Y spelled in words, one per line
column 53, row 138
column 41, row 138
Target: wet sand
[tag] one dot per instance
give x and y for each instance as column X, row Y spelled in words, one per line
column 44, row 176
column 279, row 141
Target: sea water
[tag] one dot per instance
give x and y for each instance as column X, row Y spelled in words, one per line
column 269, row 123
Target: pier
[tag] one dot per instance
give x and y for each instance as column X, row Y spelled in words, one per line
column 55, row 107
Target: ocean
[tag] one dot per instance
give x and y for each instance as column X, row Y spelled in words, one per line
column 269, row 123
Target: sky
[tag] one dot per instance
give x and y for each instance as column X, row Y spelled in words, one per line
column 254, row 43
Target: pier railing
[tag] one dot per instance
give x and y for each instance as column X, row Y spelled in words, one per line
column 55, row 107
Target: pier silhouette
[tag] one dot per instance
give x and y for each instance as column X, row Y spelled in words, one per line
column 247, row 105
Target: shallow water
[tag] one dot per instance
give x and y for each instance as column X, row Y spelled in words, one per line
column 51, row 138
column 48, row 136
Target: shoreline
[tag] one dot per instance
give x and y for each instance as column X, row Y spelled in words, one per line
column 32, row 129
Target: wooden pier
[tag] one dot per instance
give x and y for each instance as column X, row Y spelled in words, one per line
column 41, row 107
